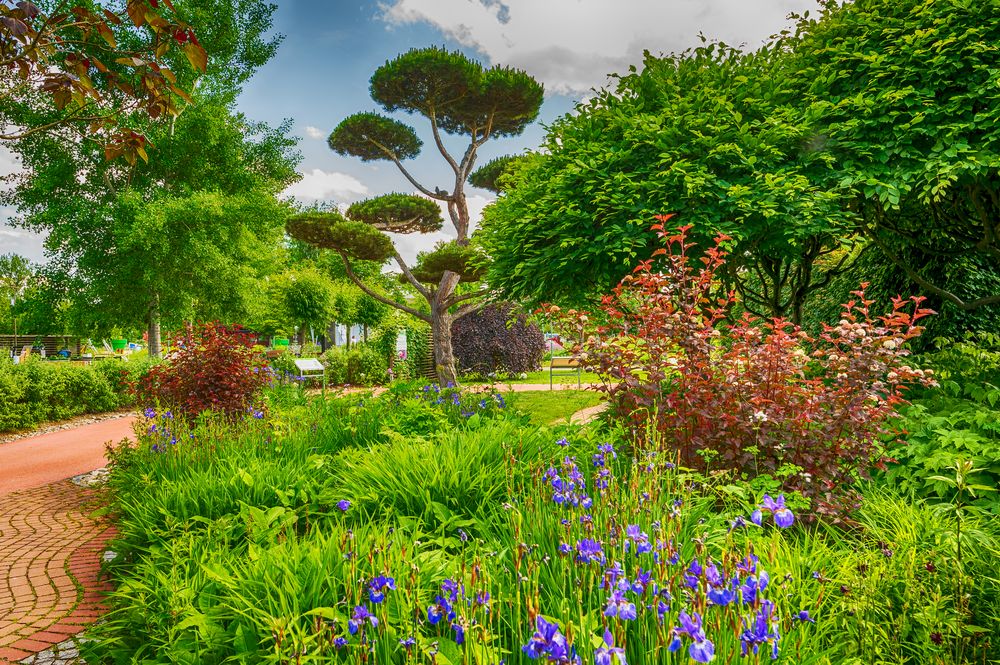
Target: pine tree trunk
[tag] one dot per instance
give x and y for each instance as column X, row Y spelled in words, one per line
column 444, row 356
column 154, row 328
column 441, row 321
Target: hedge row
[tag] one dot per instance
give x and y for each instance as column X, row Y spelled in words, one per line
column 40, row 391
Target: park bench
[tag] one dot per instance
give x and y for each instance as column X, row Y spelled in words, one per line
column 561, row 363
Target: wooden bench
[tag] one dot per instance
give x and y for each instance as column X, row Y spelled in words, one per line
column 571, row 363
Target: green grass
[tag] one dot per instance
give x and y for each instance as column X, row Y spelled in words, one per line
column 547, row 407
column 561, row 377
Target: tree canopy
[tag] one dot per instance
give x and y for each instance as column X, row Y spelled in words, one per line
column 185, row 234
column 871, row 125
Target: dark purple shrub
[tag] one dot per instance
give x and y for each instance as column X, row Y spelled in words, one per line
column 497, row 339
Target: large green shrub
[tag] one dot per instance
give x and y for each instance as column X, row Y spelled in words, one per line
column 39, row 391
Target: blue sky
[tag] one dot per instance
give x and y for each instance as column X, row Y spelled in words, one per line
column 320, row 75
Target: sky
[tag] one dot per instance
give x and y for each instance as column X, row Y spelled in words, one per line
column 331, row 47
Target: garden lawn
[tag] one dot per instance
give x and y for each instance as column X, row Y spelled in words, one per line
column 549, row 407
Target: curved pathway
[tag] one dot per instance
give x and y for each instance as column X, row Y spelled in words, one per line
column 50, row 547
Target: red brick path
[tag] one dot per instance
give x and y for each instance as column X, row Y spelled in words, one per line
column 50, row 554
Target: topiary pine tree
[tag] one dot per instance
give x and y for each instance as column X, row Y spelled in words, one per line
column 457, row 96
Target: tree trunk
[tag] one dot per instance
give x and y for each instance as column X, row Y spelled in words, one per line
column 154, row 328
column 366, row 333
column 444, row 356
column 441, row 321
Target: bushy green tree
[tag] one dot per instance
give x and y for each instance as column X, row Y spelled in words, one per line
column 187, row 234
column 456, row 96
column 872, row 124
column 711, row 135
column 904, row 96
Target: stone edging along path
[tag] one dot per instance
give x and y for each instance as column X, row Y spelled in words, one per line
column 62, row 425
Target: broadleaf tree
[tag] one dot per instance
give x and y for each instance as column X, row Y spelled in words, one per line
column 90, row 66
column 455, row 95
column 187, row 234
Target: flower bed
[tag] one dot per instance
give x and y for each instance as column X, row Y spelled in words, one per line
column 401, row 530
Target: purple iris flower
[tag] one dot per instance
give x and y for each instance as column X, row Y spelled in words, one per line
column 604, row 655
column 692, row 574
column 637, row 536
column 760, row 631
column 752, row 586
column 547, row 641
column 589, row 551
column 343, row 505
column 459, row 633
column 452, row 588
column 701, row 650
column 804, row 617
column 642, row 581
column 748, row 566
column 661, row 610
column 339, row 643
column 757, row 517
column 377, row 587
column 620, row 606
column 712, row 575
column 783, row 517
column 721, row 596
column 563, row 442
column 440, row 609
column 359, row 617
column 408, row 642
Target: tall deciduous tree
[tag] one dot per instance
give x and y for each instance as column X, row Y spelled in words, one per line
column 874, row 124
column 711, row 135
column 185, row 234
column 456, row 96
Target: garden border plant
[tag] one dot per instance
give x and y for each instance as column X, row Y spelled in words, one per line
column 762, row 396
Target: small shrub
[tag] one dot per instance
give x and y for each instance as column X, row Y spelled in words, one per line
column 213, row 369
column 497, row 339
column 958, row 421
column 362, row 365
column 761, row 396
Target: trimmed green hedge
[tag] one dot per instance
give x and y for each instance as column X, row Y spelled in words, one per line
column 42, row 391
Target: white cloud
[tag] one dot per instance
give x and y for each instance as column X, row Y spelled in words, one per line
column 320, row 185
column 314, row 132
column 572, row 45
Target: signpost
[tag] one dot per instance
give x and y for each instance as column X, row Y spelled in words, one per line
column 311, row 367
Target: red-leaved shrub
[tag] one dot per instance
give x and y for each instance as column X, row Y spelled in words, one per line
column 213, row 369
column 762, row 397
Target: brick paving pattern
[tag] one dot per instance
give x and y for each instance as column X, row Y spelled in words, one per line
column 50, row 555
